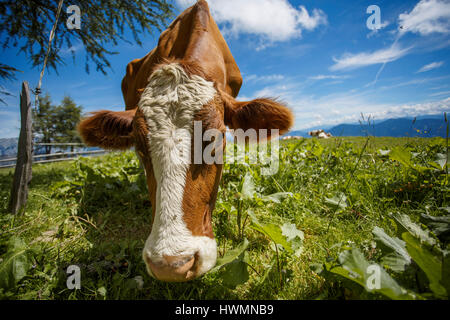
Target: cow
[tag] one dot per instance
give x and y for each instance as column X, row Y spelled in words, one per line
column 321, row 134
column 315, row 133
column 190, row 76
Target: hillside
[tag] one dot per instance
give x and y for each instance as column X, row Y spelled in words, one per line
column 401, row 127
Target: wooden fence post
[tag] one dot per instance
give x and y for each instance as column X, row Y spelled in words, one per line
column 22, row 173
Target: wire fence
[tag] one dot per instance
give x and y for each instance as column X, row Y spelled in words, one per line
column 10, row 162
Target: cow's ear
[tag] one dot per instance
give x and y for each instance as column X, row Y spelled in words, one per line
column 257, row 114
column 108, row 129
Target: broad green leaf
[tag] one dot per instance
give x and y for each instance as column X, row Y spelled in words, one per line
column 427, row 261
column 405, row 224
column 317, row 267
column 228, row 207
column 290, row 231
column 395, row 255
column 277, row 197
column 235, row 273
column 272, row 231
column 338, row 200
column 440, row 226
column 394, row 262
column 231, row 255
column 253, row 218
column 401, row 155
column 446, row 272
column 357, row 269
column 294, row 236
column 441, row 160
column 248, row 187
column 102, row 291
column 268, row 268
column 15, row 264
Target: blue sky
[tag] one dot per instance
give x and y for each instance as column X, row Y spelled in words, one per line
column 318, row 56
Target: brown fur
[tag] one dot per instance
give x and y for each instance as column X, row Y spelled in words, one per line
column 141, row 145
column 194, row 38
column 109, row 130
column 193, row 41
column 202, row 180
column 263, row 113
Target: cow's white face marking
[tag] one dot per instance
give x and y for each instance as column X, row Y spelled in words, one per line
column 169, row 104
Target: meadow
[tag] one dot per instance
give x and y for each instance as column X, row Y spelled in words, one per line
column 335, row 210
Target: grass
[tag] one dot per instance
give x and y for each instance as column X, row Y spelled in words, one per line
column 95, row 213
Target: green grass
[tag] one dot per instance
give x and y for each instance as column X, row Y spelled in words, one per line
column 94, row 212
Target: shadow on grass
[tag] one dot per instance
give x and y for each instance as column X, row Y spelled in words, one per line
column 114, row 262
column 109, row 205
column 120, row 214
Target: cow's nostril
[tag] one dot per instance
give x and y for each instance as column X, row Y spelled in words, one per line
column 173, row 269
column 177, row 263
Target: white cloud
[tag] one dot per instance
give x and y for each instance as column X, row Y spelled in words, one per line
column 440, row 87
column 328, row 77
column 78, row 85
column 428, row 16
column 412, row 82
column 411, row 110
column 375, row 31
column 268, row 78
column 348, row 109
column 274, row 20
column 310, row 22
column 72, row 50
column 443, row 93
column 431, row 66
column 312, row 110
column 383, row 25
column 363, row 59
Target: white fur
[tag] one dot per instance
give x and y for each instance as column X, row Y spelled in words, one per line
column 169, row 104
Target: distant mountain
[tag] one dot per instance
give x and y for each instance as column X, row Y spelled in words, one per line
column 401, row 127
column 8, row 147
column 298, row 133
column 424, row 126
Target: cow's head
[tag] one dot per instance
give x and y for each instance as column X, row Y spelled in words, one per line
column 160, row 124
column 181, row 244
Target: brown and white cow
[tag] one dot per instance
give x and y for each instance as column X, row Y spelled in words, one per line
column 191, row 75
column 321, row 134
